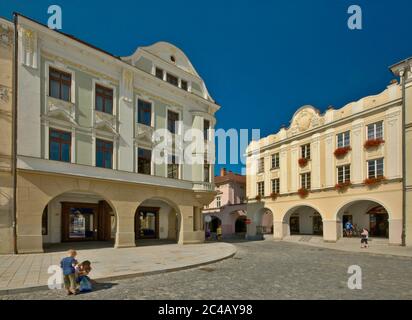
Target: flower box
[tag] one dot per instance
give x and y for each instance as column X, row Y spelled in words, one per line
column 341, row 152
column 373, row 143
column 303, row 162
column 373, row 181
column 274, row 195
column 258, row 198
column 342, row 186
column 303, row 192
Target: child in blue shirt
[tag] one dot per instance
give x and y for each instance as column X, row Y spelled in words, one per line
column 67, row 264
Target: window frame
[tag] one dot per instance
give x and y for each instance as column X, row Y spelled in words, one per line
column 375, row 165
column 261, row 188
column 345, row 141
column 150, row 161
column 177, row 126
column 346, row 173
column 176, row 164
column 276, row 184
column 69, row 83
column 104, row 149
column 59, row 141
column 148, row 102
column 305, row 151
column 171, row 75
column 275, row 156
column 156, row 73
column 375, row 136
column 104, row 97
column 305, row 180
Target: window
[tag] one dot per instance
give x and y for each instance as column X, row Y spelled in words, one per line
column 275, row 185
column 305, row 151
column 218, row 201
column 261, row 165
column 344, row 174
column 206, row 127
column 60, row 84
column 159, row 73
column 144, row 112
column 172, row 119
column 375, row 130
column 104, row 153
column 172, row 79
column 275, row 161
column 206, row 172
column 183, row 85
column 343, row 139
column 144, row 161
column 305, row 180
column 172, row 167
column 104, row 99
column 261, row 188
column 60, row 143
column 375, row 168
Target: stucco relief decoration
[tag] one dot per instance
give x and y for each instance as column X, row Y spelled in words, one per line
column 29, row 48
column 105, row 122
column 61, row 110
column 6, row 35
column 4, row 94
column 127, row 85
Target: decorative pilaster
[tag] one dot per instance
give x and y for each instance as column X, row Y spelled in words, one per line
column 393, row 143
column 357, row 153
column 28, row 48
column 315, row 155
column 329, row 158
column 294, row 173
column 283, row 163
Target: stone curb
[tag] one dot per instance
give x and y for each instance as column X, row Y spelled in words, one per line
column 4, row 292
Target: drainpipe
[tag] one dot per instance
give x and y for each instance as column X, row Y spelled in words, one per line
column 14, row 134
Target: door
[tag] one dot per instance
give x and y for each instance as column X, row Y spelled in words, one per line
column 79, row 221
column 147, row 223
column 105, row 223
column 317, row 225
column 294, row 225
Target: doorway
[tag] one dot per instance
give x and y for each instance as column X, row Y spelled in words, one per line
column 294, row 224
column 147, row 223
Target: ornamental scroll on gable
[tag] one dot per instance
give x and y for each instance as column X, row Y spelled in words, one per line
column 306, row 118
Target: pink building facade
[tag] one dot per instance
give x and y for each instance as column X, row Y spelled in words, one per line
column 228, row 209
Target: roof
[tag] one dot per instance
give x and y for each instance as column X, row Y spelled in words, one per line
column 230, row 177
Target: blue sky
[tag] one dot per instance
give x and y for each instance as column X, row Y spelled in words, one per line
column 261, row 60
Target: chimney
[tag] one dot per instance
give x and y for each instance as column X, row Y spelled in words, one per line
column 222, row 172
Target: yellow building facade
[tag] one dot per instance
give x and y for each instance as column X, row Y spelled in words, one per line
column 326, row 170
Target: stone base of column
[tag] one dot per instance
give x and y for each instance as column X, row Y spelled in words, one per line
column 30, row 244
column 395, row 232
column 125, row 240
column 192, row 237
column 330, row 230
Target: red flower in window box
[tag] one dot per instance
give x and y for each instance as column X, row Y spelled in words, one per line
column 274, row 195
column 373, row 181
column 258, row 198
column 343, row 185
column 303, row 162
column 373, row 143
column 341, row 152
column 303, row 192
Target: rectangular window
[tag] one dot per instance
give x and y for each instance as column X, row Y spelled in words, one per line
column 172, row 121
column 104, row 154
column 60, row 143
column 344, row 174
column 144, row 161
column 144, row 112
column 206, row 127
column 159, row 73
column 261, row 165
column 183, row 85
column 104, row 99
column 172, row 79
column 206, row 172
column 218, row 202
column 375, row 130
column 305, row 180
column 275, row 185
column 343, row 139
column 173, row 167
column 275, row 161
column 261, row 188
column 60, row 84
column 305, row 151
column 375, row 168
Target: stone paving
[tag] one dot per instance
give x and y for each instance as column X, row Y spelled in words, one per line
column 264, row 270
column 31, row 270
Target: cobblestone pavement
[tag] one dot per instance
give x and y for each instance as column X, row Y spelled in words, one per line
column 264, row 270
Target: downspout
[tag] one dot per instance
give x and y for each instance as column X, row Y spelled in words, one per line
column 404, row 77
column 14, row 134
